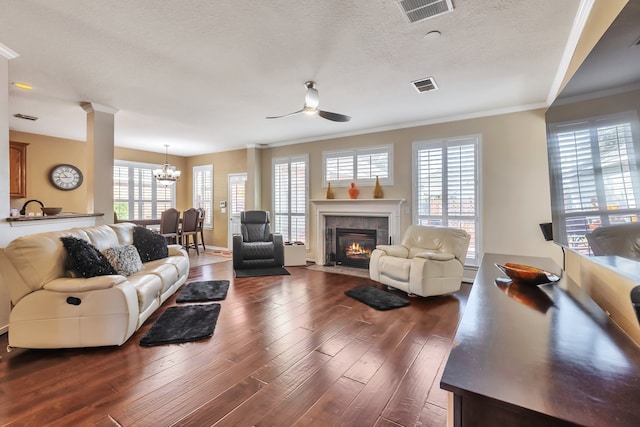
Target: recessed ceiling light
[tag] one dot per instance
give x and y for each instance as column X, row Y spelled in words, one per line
column 22, row 86
column 432, row 35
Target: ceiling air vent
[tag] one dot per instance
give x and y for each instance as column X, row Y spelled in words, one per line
column 425, row 85
column 419, row 10
column 25, row 117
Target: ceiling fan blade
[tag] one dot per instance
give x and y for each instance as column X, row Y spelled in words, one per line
column 286, row 115
column 333, row 116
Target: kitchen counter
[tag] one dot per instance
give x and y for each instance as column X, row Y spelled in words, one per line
column 25, row 220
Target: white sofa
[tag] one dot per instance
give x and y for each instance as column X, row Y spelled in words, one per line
column 52, row 310
column 429, row 261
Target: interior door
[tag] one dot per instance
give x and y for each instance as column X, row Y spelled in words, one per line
column 237, row 186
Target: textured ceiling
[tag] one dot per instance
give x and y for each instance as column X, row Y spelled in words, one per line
column 202, row 75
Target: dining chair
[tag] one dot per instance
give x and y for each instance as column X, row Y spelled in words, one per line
column 202, row 214
column 169, row 221
column 190, row 219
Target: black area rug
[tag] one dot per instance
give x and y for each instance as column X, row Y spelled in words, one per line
column 209, row 290
column 258, row 272
column 183, row 324
column 377, row 298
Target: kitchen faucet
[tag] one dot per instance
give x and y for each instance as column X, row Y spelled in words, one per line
column 23, row 211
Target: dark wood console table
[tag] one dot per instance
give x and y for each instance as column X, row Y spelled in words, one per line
column 519, row 361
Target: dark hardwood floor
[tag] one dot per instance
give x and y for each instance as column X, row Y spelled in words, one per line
column 287, row 350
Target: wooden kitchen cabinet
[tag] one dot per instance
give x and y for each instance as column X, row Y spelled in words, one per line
column 18, row 169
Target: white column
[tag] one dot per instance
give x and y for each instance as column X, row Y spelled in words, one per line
column 254, row 178
column 5, row 55
column 100, row 137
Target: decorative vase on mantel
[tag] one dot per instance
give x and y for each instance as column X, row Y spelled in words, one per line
column 353, row 191
column 377, row 190
column 329, row 191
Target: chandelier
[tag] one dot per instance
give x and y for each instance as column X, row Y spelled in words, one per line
column 168, row 175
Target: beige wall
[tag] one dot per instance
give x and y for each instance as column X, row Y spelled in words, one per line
column 43, row 153
column 515, row 194
column 224, row 164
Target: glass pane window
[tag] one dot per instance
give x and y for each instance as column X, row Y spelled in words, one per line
column 446, row 176
column 136, row 194
column 290, row 197
column 203, row 192
column 594, row 181
column 237, row 189
column 360, row 165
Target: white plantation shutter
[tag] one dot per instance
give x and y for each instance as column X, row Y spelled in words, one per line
column 203, row 191
column 594, row 180
column 361, row 165
column 339, row 168
column 290, row 198
column 237, row 184
column 136, row 194
column 372, row 163
column 446, row 190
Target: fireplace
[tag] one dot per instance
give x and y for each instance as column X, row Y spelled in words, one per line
column 324, row 211
column 354, row 247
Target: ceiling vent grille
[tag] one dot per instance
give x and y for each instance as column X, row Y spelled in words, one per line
column 419, row 10
column 25, row 117
column 425, row 85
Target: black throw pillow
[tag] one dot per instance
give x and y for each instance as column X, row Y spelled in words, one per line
column 85, row 259
column 150, row 246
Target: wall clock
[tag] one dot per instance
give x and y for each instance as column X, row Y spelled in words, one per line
column 65, row 177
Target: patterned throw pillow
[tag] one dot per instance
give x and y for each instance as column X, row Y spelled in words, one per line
column 85, row 259
column 124, row 259
column 150, row 246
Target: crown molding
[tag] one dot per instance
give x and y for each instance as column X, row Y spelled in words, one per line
column 91, row 107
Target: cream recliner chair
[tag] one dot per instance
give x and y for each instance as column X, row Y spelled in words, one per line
column 429, row 261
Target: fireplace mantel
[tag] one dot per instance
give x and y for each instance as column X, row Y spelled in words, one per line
column 322, row 208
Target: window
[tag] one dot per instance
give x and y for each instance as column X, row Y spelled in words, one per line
column 446, row 193
column 594, row 176
column 203, row 192
column 237, row 189
column 361, row 166
column 290, row 197
column 136, row 194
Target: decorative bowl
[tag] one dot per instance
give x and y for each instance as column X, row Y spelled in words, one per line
column 51, row 211
column 527, row 275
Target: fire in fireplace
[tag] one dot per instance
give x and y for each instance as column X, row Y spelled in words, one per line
column 354, row 247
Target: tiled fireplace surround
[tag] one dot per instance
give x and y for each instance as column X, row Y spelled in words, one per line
column 382, row 215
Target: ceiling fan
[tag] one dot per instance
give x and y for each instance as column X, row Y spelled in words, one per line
column 311, row 101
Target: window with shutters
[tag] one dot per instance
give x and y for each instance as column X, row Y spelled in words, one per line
column 594, row 178
column 360, row 165
column 203, row 192
column 446, row 186
column 290, row 197
column 136, row 195
column 237, row 190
